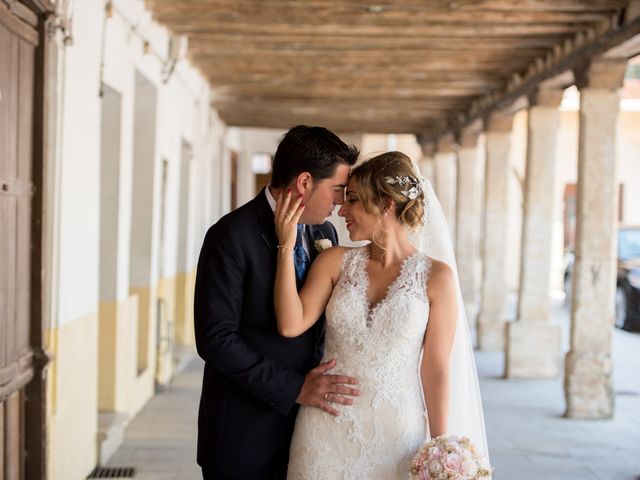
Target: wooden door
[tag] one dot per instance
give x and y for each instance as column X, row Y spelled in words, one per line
column 18, row 43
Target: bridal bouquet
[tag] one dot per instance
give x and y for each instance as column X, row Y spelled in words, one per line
column 449, row 457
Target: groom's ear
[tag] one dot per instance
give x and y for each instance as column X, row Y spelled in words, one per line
column 304, row 183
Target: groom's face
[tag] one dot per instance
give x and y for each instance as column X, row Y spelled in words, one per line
column 322, row 196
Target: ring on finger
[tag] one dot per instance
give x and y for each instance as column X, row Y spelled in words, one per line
column 326, row 396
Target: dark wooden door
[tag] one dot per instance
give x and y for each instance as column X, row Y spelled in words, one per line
column 18, row 42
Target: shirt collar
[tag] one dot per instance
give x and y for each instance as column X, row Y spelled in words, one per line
column 270, row 199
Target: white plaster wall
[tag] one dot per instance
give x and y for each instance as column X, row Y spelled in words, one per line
column 183, row 113
column 110, row 192
column 629, row 164
column 79, row 221
column 253, row 140
column 231, row 143
column 214, row 183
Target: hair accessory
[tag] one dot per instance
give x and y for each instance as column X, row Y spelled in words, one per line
column 414, row 184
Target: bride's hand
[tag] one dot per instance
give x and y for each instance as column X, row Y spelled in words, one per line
column 287, row 214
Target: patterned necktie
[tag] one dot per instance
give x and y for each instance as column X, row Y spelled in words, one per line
column 300, row 258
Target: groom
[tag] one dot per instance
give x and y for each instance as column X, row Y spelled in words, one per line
column 255, row 379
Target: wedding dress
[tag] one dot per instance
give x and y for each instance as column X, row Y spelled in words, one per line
column 380, row 345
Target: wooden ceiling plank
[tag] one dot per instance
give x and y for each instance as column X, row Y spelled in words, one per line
column 468, row 29
column 414, row 5
column 404, row 66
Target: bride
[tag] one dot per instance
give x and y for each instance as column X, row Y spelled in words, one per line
column 395, row 321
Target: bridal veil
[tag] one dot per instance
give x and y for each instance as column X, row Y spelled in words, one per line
column 466, row 416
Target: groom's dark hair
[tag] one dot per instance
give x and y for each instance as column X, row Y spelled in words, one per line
column 309, row 149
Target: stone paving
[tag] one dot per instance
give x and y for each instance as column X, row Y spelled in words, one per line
column 528, row 437
column 161, row 441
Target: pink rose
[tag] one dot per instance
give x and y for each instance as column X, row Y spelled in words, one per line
column 453, row 462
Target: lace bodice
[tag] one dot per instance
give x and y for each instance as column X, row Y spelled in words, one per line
column 380, row 345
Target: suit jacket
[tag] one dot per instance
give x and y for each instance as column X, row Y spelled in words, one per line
column 252, row 375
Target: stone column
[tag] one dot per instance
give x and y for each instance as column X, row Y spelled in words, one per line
column 445, row 185
column 533, row 343
column 493, row 303
column 588, row 382
column 427, row 162
column 467, row 218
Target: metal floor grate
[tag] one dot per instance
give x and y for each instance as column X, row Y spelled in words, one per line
column 113, row 472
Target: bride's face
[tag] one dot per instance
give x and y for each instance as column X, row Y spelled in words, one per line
column 360, row 224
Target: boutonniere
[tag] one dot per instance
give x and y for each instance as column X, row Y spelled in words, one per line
column 322, row 244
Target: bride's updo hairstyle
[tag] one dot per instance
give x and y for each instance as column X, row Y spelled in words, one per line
column 390, row 175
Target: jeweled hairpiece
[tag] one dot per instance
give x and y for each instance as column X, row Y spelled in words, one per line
column 414, row 185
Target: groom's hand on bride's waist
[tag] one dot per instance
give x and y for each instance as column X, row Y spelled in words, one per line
column 321, row 390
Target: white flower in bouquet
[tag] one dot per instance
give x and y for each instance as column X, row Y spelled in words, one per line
column 449, row 457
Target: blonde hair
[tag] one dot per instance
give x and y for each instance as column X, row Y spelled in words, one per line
column 372, row 185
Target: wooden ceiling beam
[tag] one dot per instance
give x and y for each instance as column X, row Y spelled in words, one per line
column 221, row 78
column 205, row 40
column 219, row 66
column 312, row 91
column 363, row 56
column 345, row 17
column 372, row 84
column 337, row 125
column 413, row 5
column 468, row 29
column 329, row 102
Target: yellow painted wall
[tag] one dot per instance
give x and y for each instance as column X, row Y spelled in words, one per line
column 121, row 387
column 185, row 284
column 145, row 322
column 73, row 400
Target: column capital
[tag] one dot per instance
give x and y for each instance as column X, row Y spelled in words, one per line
column 469, row 135
column 427, row 145
column 603, row 74
column 446, row 143
column 499, row 121
column 546, row 97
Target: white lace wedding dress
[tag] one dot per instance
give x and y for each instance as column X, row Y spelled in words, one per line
column 378, row 435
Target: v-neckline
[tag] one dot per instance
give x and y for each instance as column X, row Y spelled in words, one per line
column 372, row 308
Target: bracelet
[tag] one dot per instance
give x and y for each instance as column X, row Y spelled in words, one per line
column 285, row 247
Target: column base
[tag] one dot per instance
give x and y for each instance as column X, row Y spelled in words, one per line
column 491, row 333
column 532, row 350
column 588, row 385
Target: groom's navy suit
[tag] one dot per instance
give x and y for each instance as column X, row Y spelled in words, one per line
column 252, row 375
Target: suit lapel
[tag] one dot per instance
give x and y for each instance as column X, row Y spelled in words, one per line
column 314, row 232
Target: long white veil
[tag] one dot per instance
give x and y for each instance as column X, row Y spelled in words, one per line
column 466, row 416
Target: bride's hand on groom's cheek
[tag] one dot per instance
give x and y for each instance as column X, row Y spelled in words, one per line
column 321, row 391
column 287, row 215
